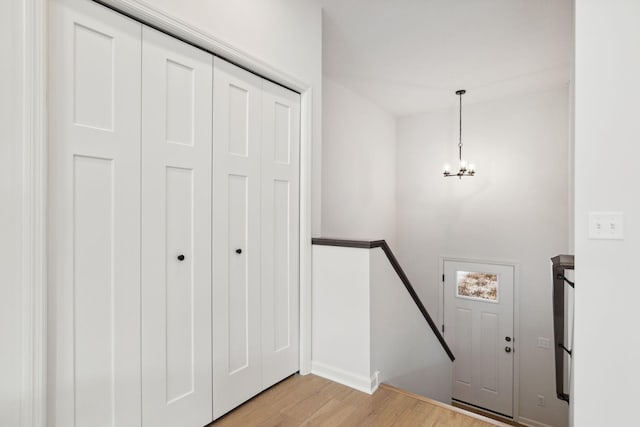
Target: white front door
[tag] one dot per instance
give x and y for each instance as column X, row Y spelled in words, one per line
column 478, row 324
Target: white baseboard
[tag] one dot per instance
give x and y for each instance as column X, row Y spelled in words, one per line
column 375, row 381
column 532, row 423
column 358, row 382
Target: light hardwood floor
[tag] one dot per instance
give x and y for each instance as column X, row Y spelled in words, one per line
column 313, row 401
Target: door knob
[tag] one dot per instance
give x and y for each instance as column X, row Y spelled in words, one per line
column 507, row 349
column 180, row 257
column 238, row 251
column 507, row 339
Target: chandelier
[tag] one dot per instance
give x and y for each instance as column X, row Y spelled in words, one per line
column 464, row 168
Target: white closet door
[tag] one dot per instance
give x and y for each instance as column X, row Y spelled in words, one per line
column 280, row 232
column 176, row 232
column 237, row 356
column 94, row 255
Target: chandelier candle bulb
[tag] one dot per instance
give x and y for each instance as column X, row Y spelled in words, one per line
column 446, row 168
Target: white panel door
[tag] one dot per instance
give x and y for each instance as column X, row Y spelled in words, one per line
column 280, row 232
column 478, row 322
column 176, row 232
column 94, row 206
column 237, row 359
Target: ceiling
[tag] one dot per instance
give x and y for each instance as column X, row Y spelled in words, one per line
column 410, row 56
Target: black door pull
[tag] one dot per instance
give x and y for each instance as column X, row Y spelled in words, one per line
column 238, row 251
column 180, row 257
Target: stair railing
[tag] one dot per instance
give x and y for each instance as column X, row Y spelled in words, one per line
column 366, row 244
column 560, row 264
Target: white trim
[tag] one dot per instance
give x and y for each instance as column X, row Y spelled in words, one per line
column 375, row 381
column 517, row 337
column 34, row 215
column 306, row 134
column 156, row 17
column 516, row 313
column 358, row 382
column 532, row 423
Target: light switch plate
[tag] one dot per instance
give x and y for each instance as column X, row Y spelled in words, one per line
column 606, row 225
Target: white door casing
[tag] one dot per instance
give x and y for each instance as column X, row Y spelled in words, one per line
column 94, row 216
column 176, row 232
column 237, row 108
column 481, row 333
column 280, row 237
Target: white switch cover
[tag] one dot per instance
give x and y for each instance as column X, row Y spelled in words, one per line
column 606, row 225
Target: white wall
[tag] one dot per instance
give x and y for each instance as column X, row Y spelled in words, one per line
column 341, row 338
column 607, row 147
column 358, row 168
column 365, row 323
column 10, row 210
column 516, row 208
column 285, row 34
column 404, row 349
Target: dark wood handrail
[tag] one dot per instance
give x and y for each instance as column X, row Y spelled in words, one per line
column 382, row 244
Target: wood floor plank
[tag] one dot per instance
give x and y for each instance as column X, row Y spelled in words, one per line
column 333, row 413
column 312, row 401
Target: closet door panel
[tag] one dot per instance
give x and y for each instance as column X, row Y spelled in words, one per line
column 94, row 217
column 280, row 233
column 238, row 301
column 94, row 274
column 236, row 237
column 176, row 232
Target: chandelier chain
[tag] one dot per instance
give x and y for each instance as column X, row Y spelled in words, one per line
column 460, row 127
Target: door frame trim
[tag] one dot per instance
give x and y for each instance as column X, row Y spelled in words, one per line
column 32, row 29
column 516, row 312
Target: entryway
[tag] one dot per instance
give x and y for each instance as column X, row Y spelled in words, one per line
column 479, row 326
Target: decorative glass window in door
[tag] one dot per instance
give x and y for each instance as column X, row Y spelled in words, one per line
column 476, row 285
